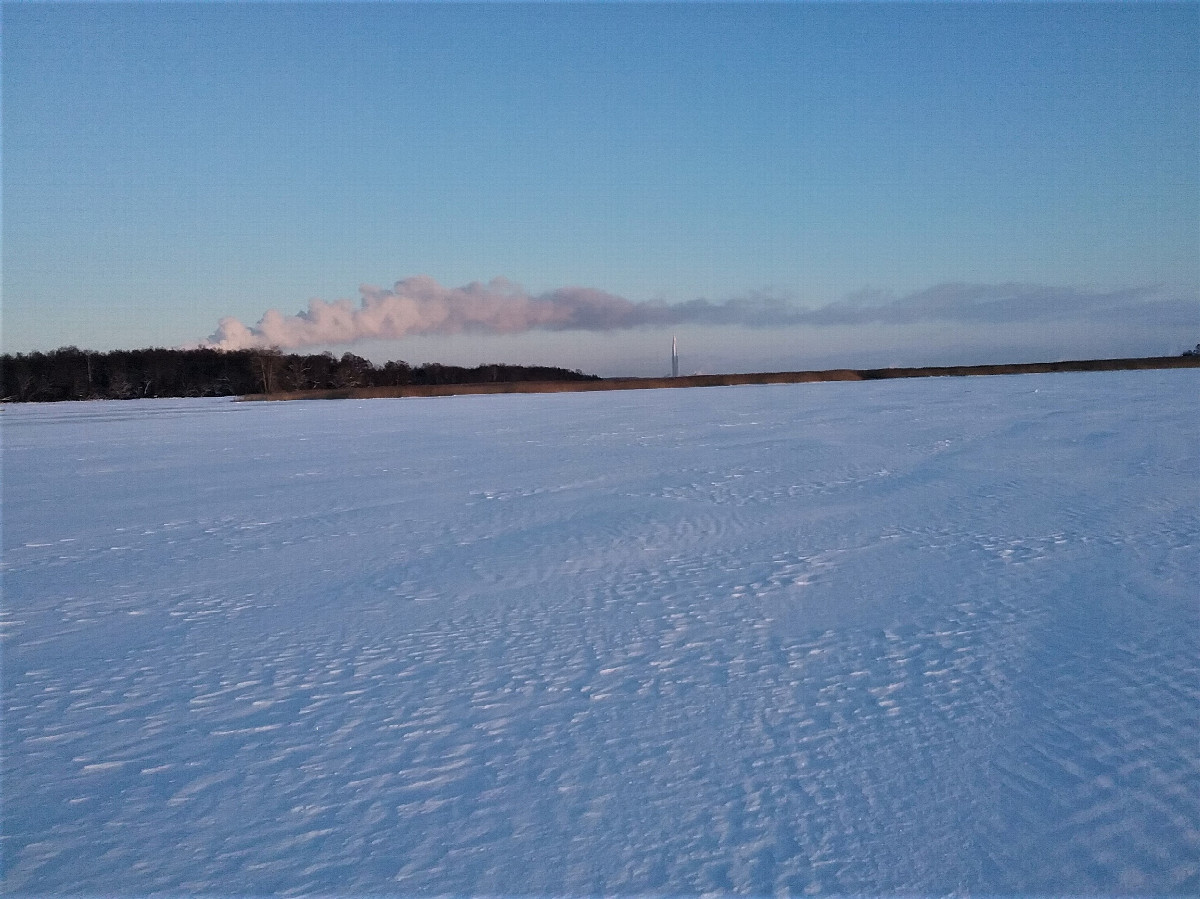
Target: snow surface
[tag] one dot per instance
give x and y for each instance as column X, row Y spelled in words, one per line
column 916, row 636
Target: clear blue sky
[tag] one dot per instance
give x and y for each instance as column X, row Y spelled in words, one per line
column 168, row 165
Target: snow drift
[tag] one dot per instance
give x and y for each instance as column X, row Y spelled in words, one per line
column 890, row 637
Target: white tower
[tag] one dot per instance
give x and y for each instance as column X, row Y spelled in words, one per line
column 674, row 359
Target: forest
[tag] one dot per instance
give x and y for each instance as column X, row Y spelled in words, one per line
column 70, row 373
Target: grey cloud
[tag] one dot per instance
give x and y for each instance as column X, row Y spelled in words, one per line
column 1003, row 304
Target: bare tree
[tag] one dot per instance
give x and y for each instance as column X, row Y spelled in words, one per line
column 295, row 373
column 266, row 364
column 353, row 371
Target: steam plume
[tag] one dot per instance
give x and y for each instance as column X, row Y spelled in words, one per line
column 420, row 305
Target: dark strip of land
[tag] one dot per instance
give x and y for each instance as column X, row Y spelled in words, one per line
column 779, row 377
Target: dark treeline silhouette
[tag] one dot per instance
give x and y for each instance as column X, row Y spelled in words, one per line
column 70, row 373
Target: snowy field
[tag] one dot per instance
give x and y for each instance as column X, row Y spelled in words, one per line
column 891, row 637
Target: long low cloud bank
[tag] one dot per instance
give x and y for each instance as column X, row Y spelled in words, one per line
column 419, row 305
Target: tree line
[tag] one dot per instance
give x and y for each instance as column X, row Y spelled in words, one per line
column 70, row 373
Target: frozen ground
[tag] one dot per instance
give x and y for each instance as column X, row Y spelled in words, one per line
column 913, row 636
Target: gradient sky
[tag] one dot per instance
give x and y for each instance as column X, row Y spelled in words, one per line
column 876, row 167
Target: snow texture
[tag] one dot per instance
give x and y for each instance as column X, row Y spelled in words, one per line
column 891, row 637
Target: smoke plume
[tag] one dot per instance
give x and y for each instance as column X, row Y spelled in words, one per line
column 420, row 305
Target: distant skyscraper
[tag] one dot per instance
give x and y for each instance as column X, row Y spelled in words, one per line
column 674, row 359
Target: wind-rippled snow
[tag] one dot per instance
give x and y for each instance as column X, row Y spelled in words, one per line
column 919, row 636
